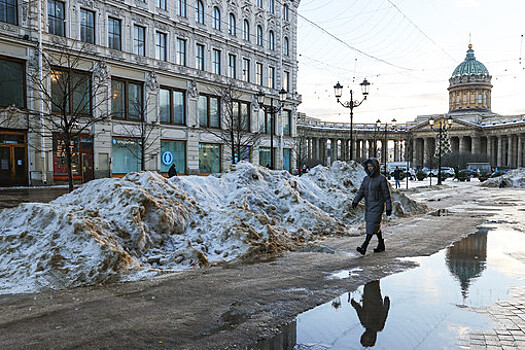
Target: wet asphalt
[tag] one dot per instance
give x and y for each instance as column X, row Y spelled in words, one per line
column 11, row 197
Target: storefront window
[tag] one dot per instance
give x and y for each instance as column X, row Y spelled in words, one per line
column 209, row 158
column 59, row 156
column 265, row 157
column 127, row 156
column 286, row 159
column 173, row 152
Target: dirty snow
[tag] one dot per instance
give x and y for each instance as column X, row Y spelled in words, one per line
column 514, row 178
column 144, row 224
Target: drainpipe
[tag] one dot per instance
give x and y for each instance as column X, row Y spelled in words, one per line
column 41, row 107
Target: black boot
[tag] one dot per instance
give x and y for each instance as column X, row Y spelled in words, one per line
column 380, row 243
column 362, row 249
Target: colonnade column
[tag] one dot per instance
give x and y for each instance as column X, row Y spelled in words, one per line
column 396, row 151
column 462, row 144
column 520, row 150
column 499, row 159
column 476, row 145
column 490, row 151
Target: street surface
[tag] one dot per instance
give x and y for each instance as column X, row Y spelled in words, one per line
column 233, row 306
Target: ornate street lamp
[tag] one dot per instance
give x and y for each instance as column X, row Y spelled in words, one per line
column 442, row 128
column 385, row 142
column 272, row 110
column 338, row 92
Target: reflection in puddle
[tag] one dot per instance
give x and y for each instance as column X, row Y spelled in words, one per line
column 429, row 307
column 339, row 275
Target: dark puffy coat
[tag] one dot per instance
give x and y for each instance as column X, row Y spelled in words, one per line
column 374, row 190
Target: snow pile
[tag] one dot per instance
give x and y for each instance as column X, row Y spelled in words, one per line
column 514, row 178
column 144, row 224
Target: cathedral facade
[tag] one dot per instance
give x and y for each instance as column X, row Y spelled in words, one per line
column 476, row 132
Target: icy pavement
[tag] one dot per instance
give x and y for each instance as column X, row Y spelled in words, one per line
column 145, row 225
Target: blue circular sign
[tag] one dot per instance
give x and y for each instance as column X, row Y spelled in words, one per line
column 167, row 158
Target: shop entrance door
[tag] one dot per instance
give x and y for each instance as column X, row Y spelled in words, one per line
column 88, row 172
column 13, row 165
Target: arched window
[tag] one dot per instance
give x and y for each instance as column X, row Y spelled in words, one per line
column 216, row 18
column 480, row 98
column 286, row 47
column 259, row 36
column 271, row 6
column 246, row 30
column 271, row 40
column 199, row 14
column 285, row 13
column 232, row 27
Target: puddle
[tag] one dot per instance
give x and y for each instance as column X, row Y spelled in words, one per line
column 429, row 307
column 339, row 275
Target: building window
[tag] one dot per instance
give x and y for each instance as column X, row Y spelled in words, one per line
column 258, row 73
column 173, row 152
column 57, row 17
column 217, row 61
column 12, row 83
column 287, row 122
column 162, row 4
column 271, row 40
column 286, row 47
column 127, row 155
column 246, row 30
column 181, row 8
column 87, row 26
column 271, row 6
column 209, row 158
column 246, row 70
column 209, row 112
column 480, row 99
column 259, row 35
column 232, row 26
column 8, row 11
column 260, row 3
column 286, row 15
column 70, row 92
column 139, row 40
column 232, row 65
column 271, row 77
column 199, row 56
column 216, row 19
column 286, row 81
column 244, row 115
column 160, row 45
column 114, row 34
column 181, row 52
column 265, row 156
column 172, row 106
column 126, row 99
column 199, row 12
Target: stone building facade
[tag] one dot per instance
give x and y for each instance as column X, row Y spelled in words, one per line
column 475, row 130
column 167, row 65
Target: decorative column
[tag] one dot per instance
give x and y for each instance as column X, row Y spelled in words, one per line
column 426, row 153
column 490, row 151
column 520, row 151
column 396, row 151
column 333, row 147
column 462, row 144
column 315, row 149
column 499, row 160
column 476, row 145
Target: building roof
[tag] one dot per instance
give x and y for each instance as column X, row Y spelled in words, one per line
column 470, row 65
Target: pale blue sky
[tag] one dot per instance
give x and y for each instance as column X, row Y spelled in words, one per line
column 411, row 49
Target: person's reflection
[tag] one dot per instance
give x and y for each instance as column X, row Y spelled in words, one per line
column 373, row 313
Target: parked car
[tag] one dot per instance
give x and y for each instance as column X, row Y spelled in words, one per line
column 471, row 173
column 449, row 171
column 499, row 172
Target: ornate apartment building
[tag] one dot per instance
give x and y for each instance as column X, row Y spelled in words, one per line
column 475, row 130
column 153, row 81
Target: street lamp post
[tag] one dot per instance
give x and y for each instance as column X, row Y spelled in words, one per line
column 442, row 128
column 338, row 89
column 272, row 110
column 385, row 143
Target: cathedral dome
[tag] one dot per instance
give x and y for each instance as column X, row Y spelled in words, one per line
column 470, row 86
column 470, row 65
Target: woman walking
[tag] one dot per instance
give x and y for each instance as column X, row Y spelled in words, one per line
column 374, row 189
